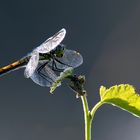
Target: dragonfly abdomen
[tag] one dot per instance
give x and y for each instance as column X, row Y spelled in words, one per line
column 16, row 65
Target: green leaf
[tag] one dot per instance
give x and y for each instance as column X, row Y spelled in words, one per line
column 123, row 96
column 63, row 75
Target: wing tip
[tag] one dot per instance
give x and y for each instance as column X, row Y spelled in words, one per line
column 63, row 30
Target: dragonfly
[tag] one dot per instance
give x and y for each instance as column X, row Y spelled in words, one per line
column 46, row 60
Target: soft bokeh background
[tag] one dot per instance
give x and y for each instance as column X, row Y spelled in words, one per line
column 107, row 34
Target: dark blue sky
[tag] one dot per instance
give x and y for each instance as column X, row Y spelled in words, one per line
column 106, row 33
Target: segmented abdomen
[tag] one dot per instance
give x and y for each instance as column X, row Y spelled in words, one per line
column 16, row 65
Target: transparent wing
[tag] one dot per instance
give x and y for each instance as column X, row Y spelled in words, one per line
column 70, row 58
column 31, row 65
column 45, row 77
column 51, row 42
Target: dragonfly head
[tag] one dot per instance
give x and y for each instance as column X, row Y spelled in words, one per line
column 59, row 51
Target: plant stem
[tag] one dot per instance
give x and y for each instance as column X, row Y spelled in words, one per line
column 95, row 108
column 87, row 118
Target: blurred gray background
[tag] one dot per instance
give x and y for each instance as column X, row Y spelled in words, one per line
column 106, row 33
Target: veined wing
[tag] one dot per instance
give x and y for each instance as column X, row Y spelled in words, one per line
column 45, row 47
column 45, row 77
column 52, row 42
column 32, row 64
column 70, row 58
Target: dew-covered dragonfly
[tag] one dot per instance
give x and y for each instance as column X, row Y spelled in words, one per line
column 42, row 64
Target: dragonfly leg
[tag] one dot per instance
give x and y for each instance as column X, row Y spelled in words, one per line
column 42, row 66
column 42, row 74
column 46, row 77
column 54, row 65
column 61, row 62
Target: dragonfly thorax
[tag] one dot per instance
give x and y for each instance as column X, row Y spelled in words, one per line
column 58, row 51
column 44, row 56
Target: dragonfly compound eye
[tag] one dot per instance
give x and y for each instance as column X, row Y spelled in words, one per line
column 59, row 52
